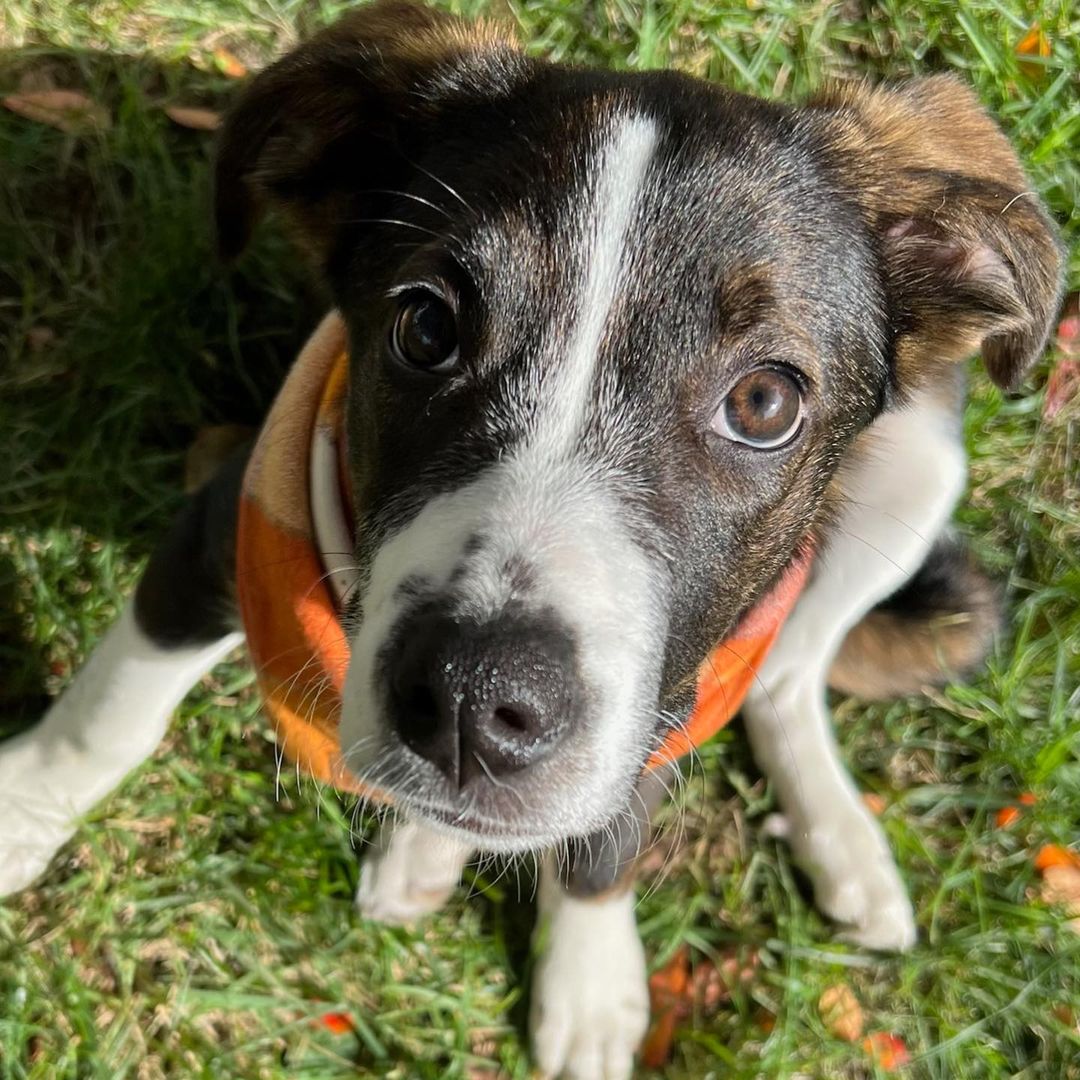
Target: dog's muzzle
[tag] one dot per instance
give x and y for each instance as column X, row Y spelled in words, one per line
column 482, row 700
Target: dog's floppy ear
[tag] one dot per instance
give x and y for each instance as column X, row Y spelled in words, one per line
column 327, row 116
column 969, row 256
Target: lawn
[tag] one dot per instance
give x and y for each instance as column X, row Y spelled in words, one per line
column 200, row 924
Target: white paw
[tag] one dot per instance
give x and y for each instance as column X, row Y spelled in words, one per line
column 590, row 995
column 409, row 873
column 34, row 823
column 855, row 879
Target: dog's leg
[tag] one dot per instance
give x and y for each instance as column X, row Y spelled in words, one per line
column 117, row 708
column 410, row 872
column 590, row 993
column 902, row 495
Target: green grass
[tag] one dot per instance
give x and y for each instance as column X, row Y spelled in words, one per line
column 197, row 924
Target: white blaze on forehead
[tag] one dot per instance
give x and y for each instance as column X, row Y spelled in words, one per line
column 623, row 165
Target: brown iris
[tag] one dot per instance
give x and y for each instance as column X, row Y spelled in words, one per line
column 763, row 409
column 425, row 332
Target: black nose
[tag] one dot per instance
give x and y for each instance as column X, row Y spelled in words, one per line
column 482, row 698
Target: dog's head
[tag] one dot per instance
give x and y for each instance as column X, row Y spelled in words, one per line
column 611, row 336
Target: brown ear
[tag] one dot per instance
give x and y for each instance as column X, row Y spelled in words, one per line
column 328, row 115
column 970, row 257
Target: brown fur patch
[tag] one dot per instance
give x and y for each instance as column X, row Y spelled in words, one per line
column 972, row 258
column 937, row 628
column 300, row 126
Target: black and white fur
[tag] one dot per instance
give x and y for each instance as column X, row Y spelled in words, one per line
column 621, row 250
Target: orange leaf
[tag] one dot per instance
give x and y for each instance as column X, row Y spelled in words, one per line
column 841, row 1012
column 1061, row 887
column 66, row 110
column 1033, row 43
column 669, row 993
column 1055, row 855
column 196, row 119
column 669, row 984
column 656, row 1049
column 338, row 1022
column 1007, row 816
column 229, row 65
column 874, row 803
column 1027, row 799
column 887, row 1051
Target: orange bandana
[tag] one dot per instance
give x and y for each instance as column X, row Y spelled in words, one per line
column 290, row 585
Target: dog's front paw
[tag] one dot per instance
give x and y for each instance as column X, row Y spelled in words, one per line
column 590, row 997
column 410, row 873
column 855, row 879
column 34, row 822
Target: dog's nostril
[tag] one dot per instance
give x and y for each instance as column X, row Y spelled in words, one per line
column 511, row 717
column 421, row 704
column 481, row 700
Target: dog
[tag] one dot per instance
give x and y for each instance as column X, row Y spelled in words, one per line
column 622, row 350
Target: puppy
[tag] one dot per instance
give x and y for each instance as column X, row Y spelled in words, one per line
column 623, row 350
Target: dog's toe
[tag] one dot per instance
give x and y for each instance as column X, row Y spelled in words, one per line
column 410, row 873
column 856, row 883
column 30, row 837
column 590, row 1007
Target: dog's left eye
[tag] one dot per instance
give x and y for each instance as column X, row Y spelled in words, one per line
column 763, row 409
column 424, row 333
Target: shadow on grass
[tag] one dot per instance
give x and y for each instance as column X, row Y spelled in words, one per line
column 120, row 332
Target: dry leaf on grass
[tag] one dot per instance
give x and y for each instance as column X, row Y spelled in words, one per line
column 668, row 993
column 229, row 64
column 1061, row 888
column 67, row 110
column 1055, row 855
column 39, row 338
column 888, row 1052
column 841, row 1012
column 677, row 990
column 194, row 118
column 338, row 1022
column 1034, row 43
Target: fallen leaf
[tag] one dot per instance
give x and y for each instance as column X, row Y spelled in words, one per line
column 874, row 802
column 1027, row 799
column 67, row 110
column 229, row 65
column 1051, row 855
column 1066, row 1015
column 888, row 1052
column 668, row 995
column 194, row 118
column 841, row 1012
column 39, row 338
column 1033, row 43
column 1006, row 816
column 765, row 1020
column 1061, row 888
column 1062, row 387
column 338, row 1022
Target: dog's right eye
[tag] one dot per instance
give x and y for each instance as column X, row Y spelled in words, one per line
column 424, row 334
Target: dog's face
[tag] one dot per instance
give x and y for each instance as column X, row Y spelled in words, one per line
column 611, row 337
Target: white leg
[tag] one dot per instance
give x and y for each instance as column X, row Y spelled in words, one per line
column 410, row 872
column 902, row 497
column 590, row 994
column 110, row 719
